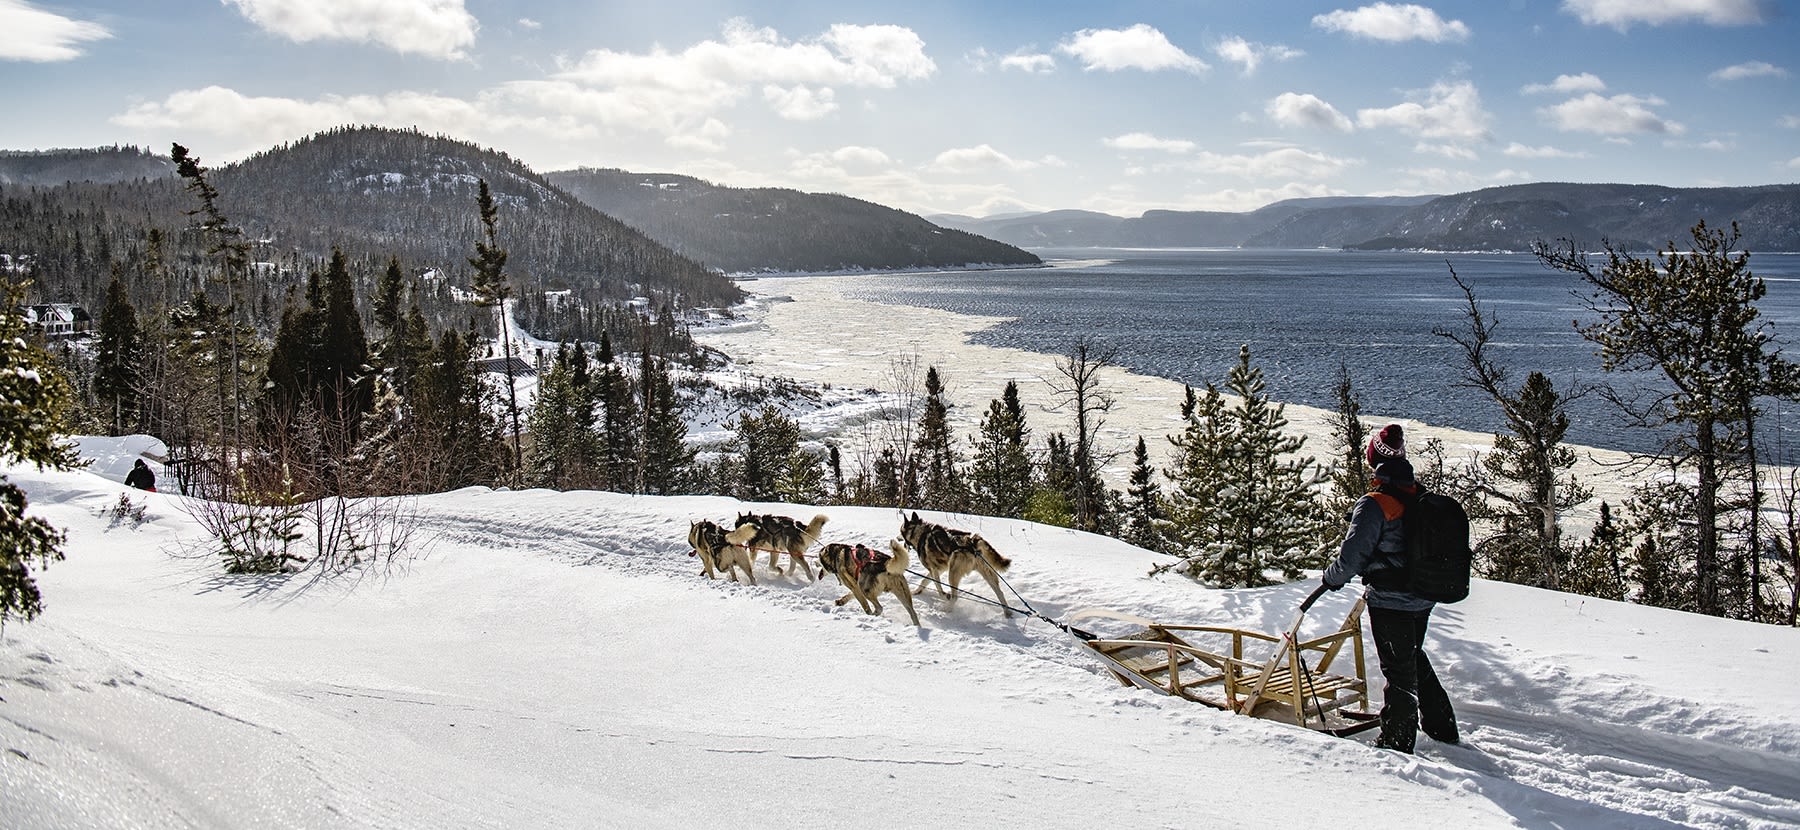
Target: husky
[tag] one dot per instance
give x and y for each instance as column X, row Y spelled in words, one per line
column 943, row 550
column 868, row 573
column 778, row 535
column 716, row 554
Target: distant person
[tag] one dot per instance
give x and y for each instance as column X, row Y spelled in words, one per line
column 141, row 477
column 1375, row 549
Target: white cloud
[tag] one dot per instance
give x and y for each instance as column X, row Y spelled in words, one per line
column 434, row 28
column 1620, row 14
column 1249, row 55
column 1751, row 69
column 708, row 137
column 1517, row 150
column 1568, row 85
column 1146, row 141
column 1294, row 109
column 1712, row 145
column 1449, row 110
column 1451, row 151
column 1791, row 122
column 1615, row 115
column 982, row 158
column 1393, row 23
column 1035, row 63
column 801, row 102
column 1139, row 47
column 1794, row 163
column 1285, row 163
column 528, row 23
column 861, row 156
column 1438, row 179
column 28, row 33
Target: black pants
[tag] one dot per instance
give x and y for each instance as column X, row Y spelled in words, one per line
column 1413, row 691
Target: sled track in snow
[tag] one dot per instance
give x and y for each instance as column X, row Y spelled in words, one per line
column 1543, row 767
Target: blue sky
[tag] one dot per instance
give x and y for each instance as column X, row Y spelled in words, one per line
column 936, row 106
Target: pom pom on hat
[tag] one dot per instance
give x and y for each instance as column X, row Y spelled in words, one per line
column 1390, row 442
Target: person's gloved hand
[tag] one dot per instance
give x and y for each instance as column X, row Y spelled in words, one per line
column 1328, row 585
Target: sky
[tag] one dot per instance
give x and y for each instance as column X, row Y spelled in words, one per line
column 935, row 106
column 554, row 660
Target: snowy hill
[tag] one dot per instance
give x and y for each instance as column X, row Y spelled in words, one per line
column 554, row 660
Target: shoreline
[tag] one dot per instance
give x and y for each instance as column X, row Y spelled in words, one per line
column 804, row 327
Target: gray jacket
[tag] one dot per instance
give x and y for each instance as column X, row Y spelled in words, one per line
column 1373, row 543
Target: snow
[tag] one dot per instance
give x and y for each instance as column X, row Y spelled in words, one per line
column 555, row 660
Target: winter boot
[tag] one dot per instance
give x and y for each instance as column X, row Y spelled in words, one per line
column 1397, row 735
column 1441, row 726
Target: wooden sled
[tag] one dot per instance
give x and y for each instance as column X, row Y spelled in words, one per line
column 1209, row 664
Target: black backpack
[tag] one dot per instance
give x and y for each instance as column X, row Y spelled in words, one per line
column 1439, row 561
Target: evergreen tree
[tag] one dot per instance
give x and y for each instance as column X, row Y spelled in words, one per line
column 619, row 423
column 1350, row 476
column 1691, row 318
column 1263, row 515
column 1598, row 567
column 940, row 480
column 565, row 444
column 492, row 290
column 1052, row 502
column 774, row 467
column 460, row 442
column 226, row 242
column 667, row 458
column 119, row 358
column 32, row 400
column 1000, row 472
column 1145, row 512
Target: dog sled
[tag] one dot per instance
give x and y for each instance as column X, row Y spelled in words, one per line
column 1217, row 666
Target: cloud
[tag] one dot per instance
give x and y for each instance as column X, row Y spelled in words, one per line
column 860, row 156
column 800, row 103
column 528, row 23
column 31, row 34
column 1146, row 141
column 1451, row 151
column 1791, row 122
column 1438, row 179
column 1794, row 163
column 433, row 28
column 1620, row 14
column 1248, row 55
column 1751, row 69
column 1568, row 84
column 1615, row 115
column 1449, row 110
column 1284, row 163
column 1517, row 150
column 983, row 158
column 1139, row 47
column 1036, row 63
column 1293, row 109
column 1393, row 23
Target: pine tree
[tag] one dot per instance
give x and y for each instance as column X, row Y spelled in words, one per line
column 1051, row 502
column 667, row 459
column 1145, row 512
column 119, row 358
column 32, row 400
column 492, row 290
column 461, row 443
column 226, row 242
column 619, row 423
column 1000, row 473
column 940, row 479
column 565, row 443
column 1598, row 567
column 1264, row 516
column 774, row 465
column 1351, row 475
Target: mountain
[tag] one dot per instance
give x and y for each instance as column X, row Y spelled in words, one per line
column 1633, row 217
column 101, row 164
column 776, row 229
column 374, row 193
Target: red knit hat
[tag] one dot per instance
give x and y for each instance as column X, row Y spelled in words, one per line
column 1390, row 442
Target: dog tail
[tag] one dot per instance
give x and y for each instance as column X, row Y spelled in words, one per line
column 742, row 534
column 814, row 527
column 898, row 564
column 993, row 557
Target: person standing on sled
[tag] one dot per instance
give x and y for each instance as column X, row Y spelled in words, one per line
column 1375, row 549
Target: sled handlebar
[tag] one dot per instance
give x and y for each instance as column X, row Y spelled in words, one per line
column 1312, row 598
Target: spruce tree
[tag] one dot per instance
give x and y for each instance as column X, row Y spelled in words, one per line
column 1145, row 511
column 666, row 457
column 492, row 290
column 1598, row 566
column 32, row 400
column 940, row 479
column 119, row 359
column 619, row 423
column 1052, row 501
column 565, row 444
column 774, row 467
column 1263, row 516
column 1000, row 480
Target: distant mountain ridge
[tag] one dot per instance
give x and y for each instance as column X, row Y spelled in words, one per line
column 778, row 229
column 1511, row 218
column 102, row 165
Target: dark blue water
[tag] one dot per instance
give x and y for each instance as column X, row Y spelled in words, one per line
column 1182, row 314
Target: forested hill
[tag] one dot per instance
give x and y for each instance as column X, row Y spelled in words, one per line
column 752, row 229
column 100, row 164
column 1632, row 217
column 375, row 193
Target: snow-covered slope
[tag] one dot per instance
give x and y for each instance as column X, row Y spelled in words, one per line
column 555, row 660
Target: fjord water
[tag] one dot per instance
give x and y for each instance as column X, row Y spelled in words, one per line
column 1182, row 314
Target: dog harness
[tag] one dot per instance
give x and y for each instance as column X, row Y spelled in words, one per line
column 862, row 557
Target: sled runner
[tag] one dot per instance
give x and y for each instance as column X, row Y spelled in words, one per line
column 1218, row 666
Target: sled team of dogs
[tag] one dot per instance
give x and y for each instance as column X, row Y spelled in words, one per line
column 948, row 555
